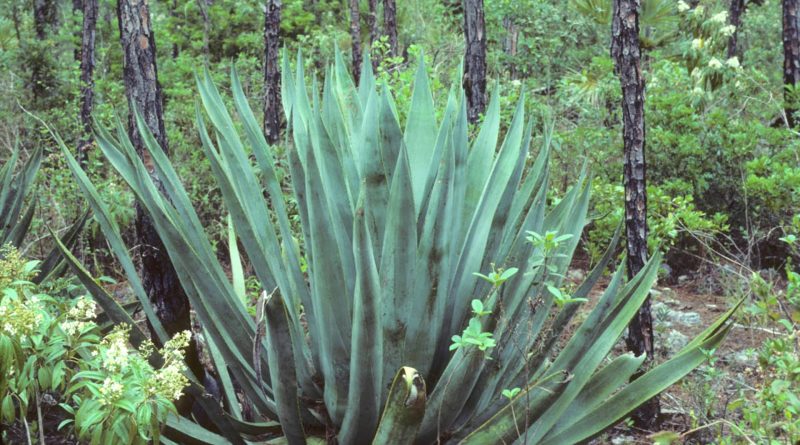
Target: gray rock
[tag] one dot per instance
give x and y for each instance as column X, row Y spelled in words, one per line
column 622, row 440
column 747, row 357
column 686, row 318
column 576, row 275
column 665, row 316
column 675, row 341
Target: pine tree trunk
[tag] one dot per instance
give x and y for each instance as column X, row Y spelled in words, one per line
column 87, row 77
column 44, row 17
column 735, row 15
column 144, row 93
column 791, row 57
column 355, row 37
column 42, row 76
column 272, row 74
column 172, row 8
column 390, row 26
column 203, row 5
column 510, row 45
column 77, row 8
column 626, row 52
column 374, row 33
column 474, row 59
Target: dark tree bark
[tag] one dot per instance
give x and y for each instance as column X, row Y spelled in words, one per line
column 42, row 78
column 510, row 44
column 203, row 5
column 77, row 8
column 791, row 56
column 735, row 14
column 272, row 74
column 173, row 6
column 87, row 77
column 44, row 17
column 390, row 26
column 474, row 59
column 144, row 93
column 374, row 33
column 626, row 52
column 355, row 36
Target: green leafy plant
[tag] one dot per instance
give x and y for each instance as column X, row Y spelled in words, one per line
column 394, row 221
column 61, row 373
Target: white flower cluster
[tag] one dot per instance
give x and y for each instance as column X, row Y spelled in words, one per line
column 714, row 63
column 683, row 6
column 79, row 316
column 698, row 43
column 727, row 30
column 19, row 318
column 111, row 390
column 116, row 354
column 720, row 17
column 169, row 381
column 733, row 62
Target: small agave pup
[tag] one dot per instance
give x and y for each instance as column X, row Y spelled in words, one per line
column 389, row 336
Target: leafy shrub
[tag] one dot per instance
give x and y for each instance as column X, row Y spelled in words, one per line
column 61, row 372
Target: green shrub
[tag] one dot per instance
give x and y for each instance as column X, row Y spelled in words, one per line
column 62, row 370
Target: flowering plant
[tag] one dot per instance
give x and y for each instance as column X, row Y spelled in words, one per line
column 60, row 372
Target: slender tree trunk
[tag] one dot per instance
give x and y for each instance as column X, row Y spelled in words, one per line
column 474, row 59
column 390, row 26
column 626, row 52
column 144, row 93
column 77, row 8
column 173, row 6
column 510, row 44
column 87, row 77
column 203, row 5
column 272, row 74
column 791, row 57
column 735, row 15
column 44, row 17
column 355, row 36
column 44, row 20
column 374, row 33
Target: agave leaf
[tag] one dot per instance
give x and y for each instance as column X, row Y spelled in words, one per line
column 237, row 272
column 366, row 360
column 287, row 86
column 637, row 392
column 602, row 384
column 420, row 132
column 284, row 378
column 373, row 171
column 20, row 228
column 327, row 281
column 397, row 268
column 51, row 264
column 471, row 255
column 391, row 136
column 232, row 401
column 404, row 409
column 481, row 156
column 434, row 266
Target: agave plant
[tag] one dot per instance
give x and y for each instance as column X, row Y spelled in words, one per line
column 17, row 211
column 15, row 220
column 422, row 299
